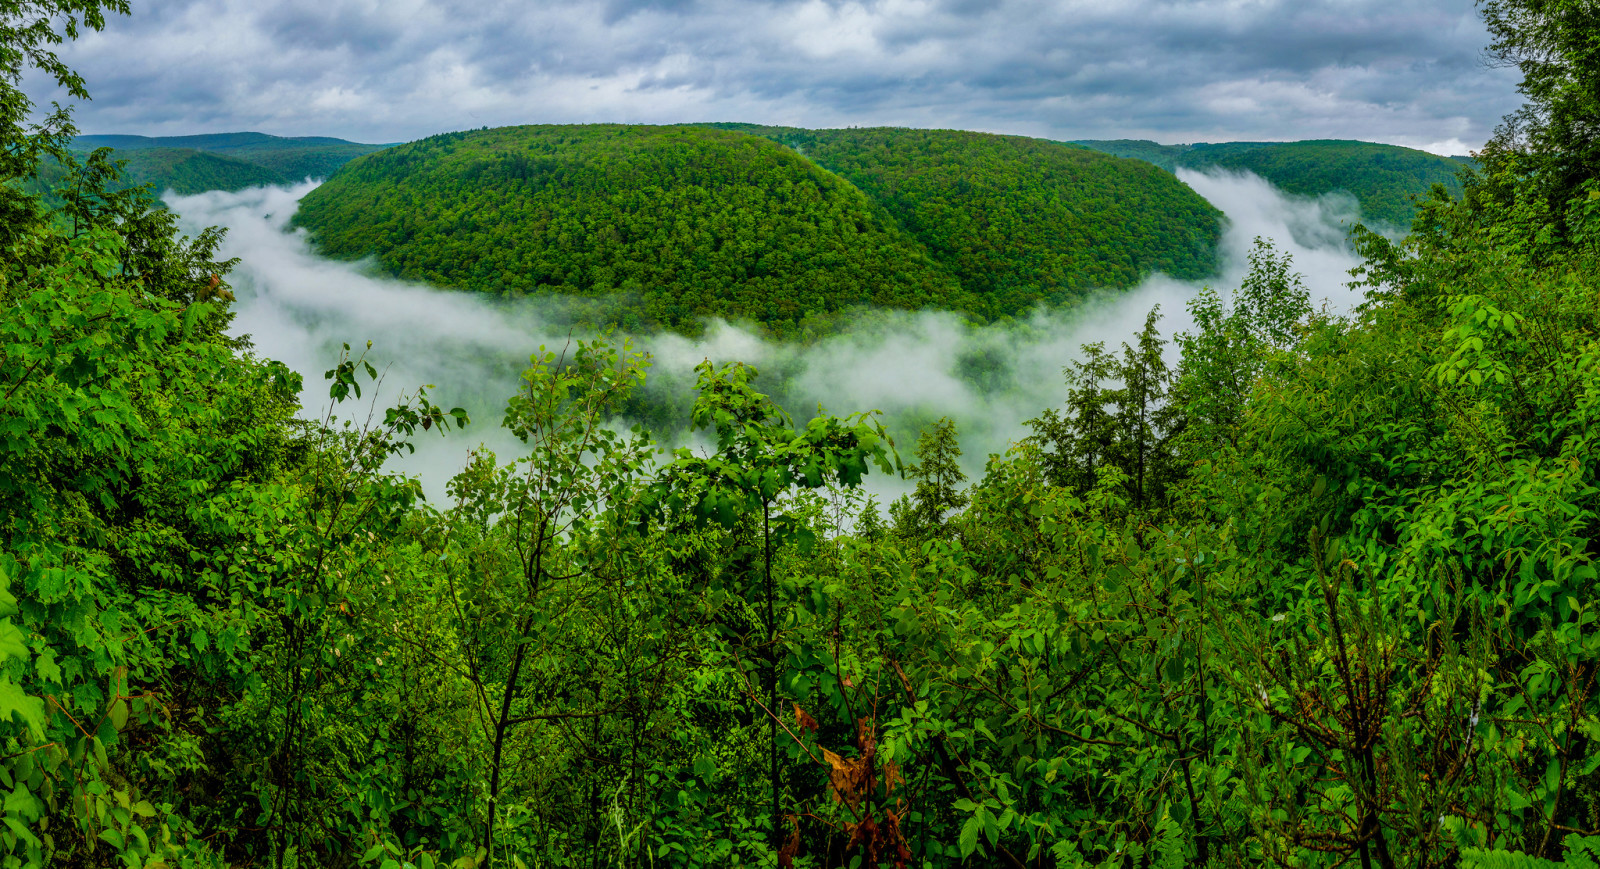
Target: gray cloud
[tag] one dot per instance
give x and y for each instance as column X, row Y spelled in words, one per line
column 1402, row 71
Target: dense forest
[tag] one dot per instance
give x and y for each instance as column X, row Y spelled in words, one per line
column 1018, row 219
column 294, row 158
column 1321, row 593
column 184, row 171
column 669, row 225
column 1386, row 180
column 645, row 225
column 187, row 165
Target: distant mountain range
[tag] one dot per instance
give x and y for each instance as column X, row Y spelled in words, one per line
column 781, row 226
column 188, row 165
column 1382, row 178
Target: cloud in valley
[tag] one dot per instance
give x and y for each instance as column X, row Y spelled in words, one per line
column 1402, row 71
column 300, row 308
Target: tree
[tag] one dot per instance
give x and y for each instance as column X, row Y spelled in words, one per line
column 939, row 479
column 1224, row 356
column 1555, row 44
column 760, row 457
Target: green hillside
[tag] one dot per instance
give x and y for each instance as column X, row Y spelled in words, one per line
column 1021, row 220
column 683, row 223
column 181, row 170
column 187, row 172
column 1383, row 178
column 291, row 159
column 693, row 221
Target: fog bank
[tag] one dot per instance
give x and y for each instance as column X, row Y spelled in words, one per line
column 915, row 367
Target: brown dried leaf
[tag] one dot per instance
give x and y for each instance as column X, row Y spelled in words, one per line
column 848, row 777
column 804, row 719
column 790, row 847
column 892, row 776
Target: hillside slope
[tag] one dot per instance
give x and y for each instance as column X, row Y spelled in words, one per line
column 291, row 158
column 651, row 225
column 1382, row 178
column 181, row 170
column 765, row 224
column 1020, row 220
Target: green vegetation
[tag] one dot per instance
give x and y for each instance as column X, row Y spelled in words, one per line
column 1384, row 179
column 1021, row 220
column 188, row 165
column 657, row 225
column 670, row 225
column 185, row 172
column 293, row 158
column 1320, row 594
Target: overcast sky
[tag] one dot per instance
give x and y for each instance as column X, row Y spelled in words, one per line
column 1407, row 72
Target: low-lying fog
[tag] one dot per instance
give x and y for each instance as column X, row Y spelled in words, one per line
column 299, row 308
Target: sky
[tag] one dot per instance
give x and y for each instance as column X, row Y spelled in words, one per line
column 1404, row 72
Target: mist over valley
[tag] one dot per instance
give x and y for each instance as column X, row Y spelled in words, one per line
column 916, row 366
column 997, row 453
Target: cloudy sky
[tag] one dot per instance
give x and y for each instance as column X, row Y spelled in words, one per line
column 1407, row 72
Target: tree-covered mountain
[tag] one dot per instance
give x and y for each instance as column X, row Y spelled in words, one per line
column 184, row 171
column 1315, row 591
column 1384, row 179
column 1020, row 220
column 770, row 225
column 656, row 225
column 294, row 158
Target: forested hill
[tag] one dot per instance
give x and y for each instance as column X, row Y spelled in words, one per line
column 654, row 225
column 188, row 165
column 1020, row 220
column 1383, row 178
column 184, row 171
column 693, row 221
column 293, row 158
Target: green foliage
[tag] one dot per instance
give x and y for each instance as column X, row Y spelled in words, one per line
column 184, row 172
column 1556, row 47
column 1019, row 221
column 939, row 478
column 635, row 225
column 1114, row 435
column 1581, row 853
column 1229, row 350
column 1384, row 179
column 1320, row 594
column 670, row 225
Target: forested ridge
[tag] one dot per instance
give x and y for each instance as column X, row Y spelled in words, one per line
column 187, row 165
column 646, row 225
column 1321, row 594
column 1018, row 219
column 1384, row 179
column 183, row 171
column 294, row 158
column 669, row 225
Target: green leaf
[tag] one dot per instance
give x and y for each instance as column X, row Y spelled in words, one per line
column 11, row 642
column 15, row 703
column 119, row 713
column 969, row 836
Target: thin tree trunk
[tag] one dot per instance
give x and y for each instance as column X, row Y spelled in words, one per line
column 772, row 675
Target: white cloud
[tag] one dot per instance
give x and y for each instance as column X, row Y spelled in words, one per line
column 299, row 308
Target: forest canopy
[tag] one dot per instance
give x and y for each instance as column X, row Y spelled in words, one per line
column 1386, row 180
column 1312, row 590
column 675, row 224
column 187, row 165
